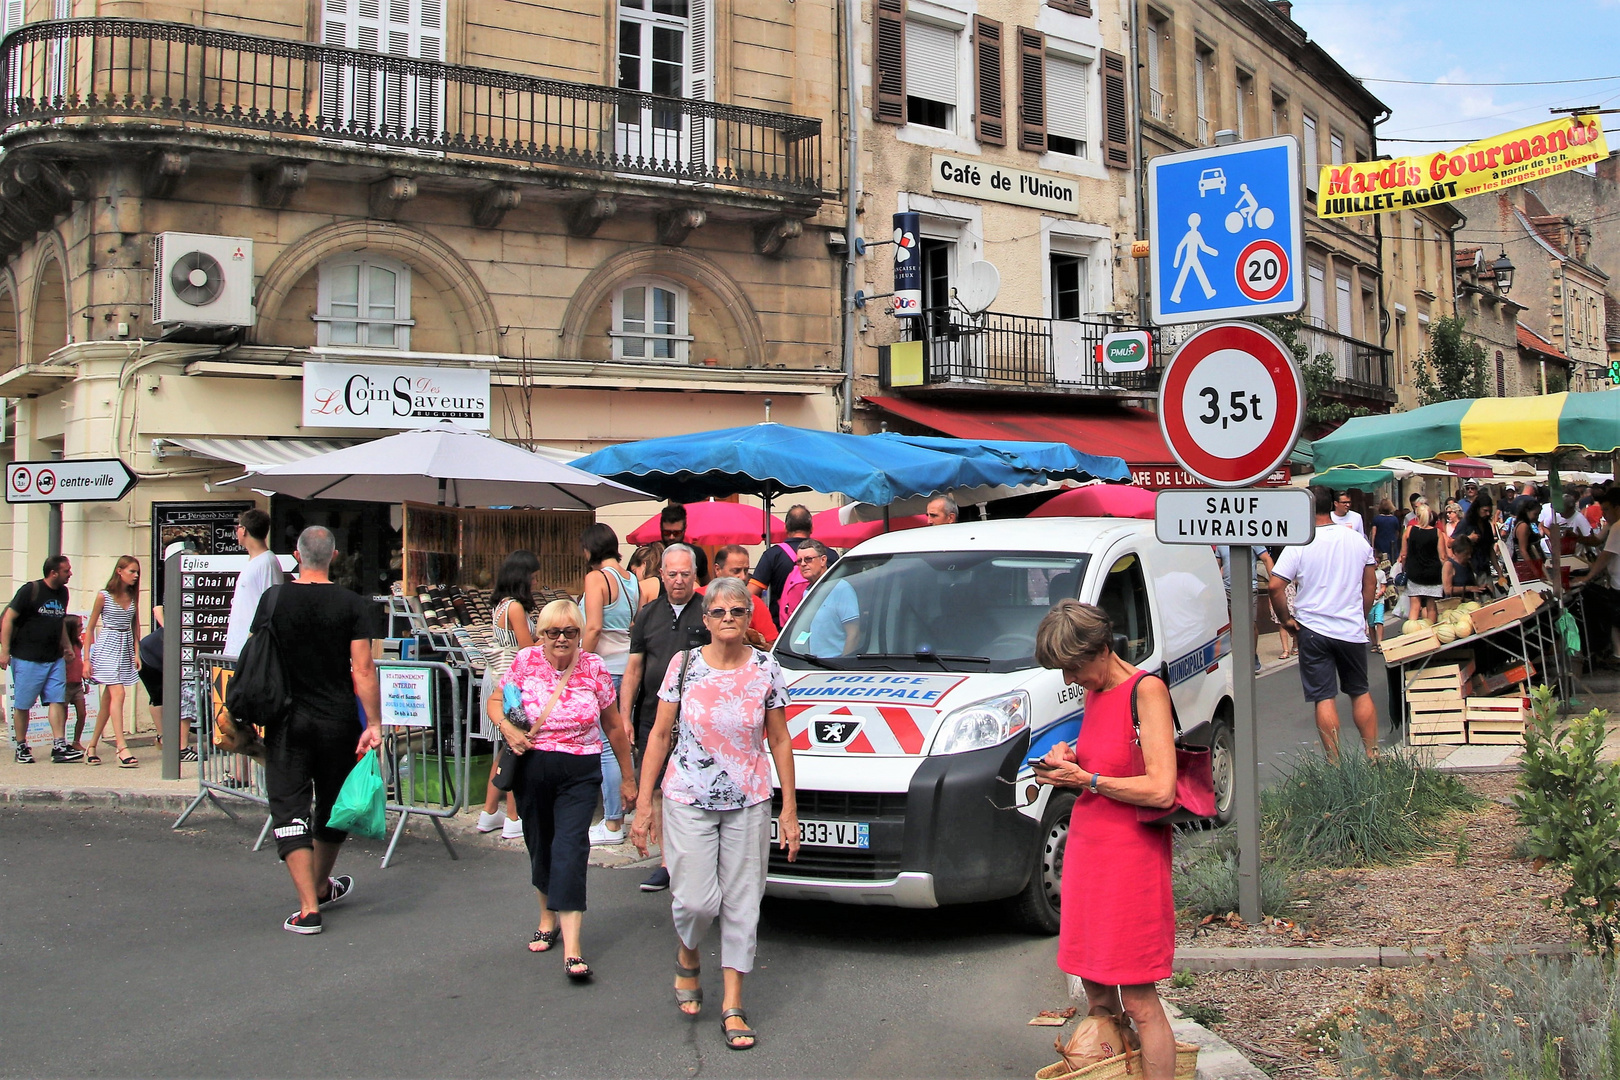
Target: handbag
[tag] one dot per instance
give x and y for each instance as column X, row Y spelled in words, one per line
column 1195, row 776
column 259, row 692
column 505, row 774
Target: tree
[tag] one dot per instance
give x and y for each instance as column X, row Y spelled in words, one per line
column 1452, row 367
column 1320, row 375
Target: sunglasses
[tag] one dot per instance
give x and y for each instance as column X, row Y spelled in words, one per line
column 722, row 612
column 558, row 633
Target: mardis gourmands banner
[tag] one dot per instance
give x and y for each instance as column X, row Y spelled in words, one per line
column 1374, row 187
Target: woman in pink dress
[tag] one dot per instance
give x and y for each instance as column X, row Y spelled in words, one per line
column 1118, row 921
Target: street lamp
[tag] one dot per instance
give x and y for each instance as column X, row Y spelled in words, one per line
column 1503, row 269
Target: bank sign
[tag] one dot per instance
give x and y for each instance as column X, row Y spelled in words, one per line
column 394, row 396
column 978, row 180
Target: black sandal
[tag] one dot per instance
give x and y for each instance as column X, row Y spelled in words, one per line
column 548, row 938
column 576, row 969
column 732, row 1034
column 684, row 996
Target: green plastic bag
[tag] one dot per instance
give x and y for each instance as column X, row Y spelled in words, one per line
column 362, row 803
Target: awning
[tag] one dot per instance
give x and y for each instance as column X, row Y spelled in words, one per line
column 1470, row 468
column 251, row 453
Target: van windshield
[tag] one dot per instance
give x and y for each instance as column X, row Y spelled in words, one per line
column 928, row 611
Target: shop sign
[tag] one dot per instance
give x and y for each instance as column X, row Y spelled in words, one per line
column 1530, row 153
column 997, row 183
column 394, row 396
column 1159, row 477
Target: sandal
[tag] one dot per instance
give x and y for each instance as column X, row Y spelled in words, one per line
column 127, row 760
column 733, row 1034
column 683, row 996
column 92, row 758
column 576, row 969
column 545, row 938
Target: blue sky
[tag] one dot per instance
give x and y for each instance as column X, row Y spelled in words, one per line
column 1479, row 41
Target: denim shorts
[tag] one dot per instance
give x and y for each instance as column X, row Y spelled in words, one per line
column 41, row 681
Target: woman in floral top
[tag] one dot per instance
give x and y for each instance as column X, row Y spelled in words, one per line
column 559, row 767
column 720, row 705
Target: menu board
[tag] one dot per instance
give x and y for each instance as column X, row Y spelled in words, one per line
column 206, row 528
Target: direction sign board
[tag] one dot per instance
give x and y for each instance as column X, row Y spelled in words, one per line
column 1263, row 516
column 1224, row 232
column 89, row 480
column 1231, row 404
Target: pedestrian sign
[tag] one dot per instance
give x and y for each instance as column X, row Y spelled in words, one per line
column 1224, row 232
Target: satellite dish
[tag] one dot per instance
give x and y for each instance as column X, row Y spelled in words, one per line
column 980, row 283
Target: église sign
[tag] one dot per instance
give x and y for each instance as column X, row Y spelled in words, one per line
column 394, row 396
column 997, row 183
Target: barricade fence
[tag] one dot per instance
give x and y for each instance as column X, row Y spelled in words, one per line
column 423, row 755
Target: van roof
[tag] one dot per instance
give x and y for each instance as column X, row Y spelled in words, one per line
column 1019, row 534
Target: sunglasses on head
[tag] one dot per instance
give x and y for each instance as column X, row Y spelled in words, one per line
column 558, row 633
column 722, row 612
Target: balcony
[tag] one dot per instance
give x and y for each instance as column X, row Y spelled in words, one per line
column 997, row 352
column 110, row 72
column 1361, row 369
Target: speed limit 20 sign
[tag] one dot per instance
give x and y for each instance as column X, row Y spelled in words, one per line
column 1231, row 404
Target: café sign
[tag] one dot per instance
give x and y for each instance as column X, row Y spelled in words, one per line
column 394, row 396
column 997, row 183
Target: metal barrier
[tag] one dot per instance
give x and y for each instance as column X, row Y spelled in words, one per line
column 420, row 780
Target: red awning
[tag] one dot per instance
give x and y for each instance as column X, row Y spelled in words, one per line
column 1470, row 467
column 1117, row 430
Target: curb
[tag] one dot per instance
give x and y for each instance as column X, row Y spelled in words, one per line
column 1374, row 956
column 1217, row 1058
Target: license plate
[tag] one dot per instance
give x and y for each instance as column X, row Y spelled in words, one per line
column 844, row 834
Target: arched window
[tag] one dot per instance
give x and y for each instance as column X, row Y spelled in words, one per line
column 649, row 322
column 364, row 300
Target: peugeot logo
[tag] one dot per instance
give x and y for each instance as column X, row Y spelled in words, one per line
column 835, row 732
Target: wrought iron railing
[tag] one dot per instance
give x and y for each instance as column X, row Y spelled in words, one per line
column 1021, row 352
column 1361, row 364
column 172, row 74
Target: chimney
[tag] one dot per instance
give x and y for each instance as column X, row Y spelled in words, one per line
column 1285, row 8
column 1609, row 168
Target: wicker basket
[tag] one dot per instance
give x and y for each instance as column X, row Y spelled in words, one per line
column 1123, row 1066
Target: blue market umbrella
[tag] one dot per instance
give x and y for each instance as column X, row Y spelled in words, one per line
column 1053, row 460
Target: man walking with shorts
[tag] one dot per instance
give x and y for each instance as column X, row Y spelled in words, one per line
column 1334, row 584
column 324, row 632
column 33, row 644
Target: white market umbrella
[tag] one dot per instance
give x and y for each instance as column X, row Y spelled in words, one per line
column 447, row 465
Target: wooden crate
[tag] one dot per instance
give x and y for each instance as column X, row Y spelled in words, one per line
column 1437, row 738
column 1452, row 677
column 1406, row 646
column 1494, row 733
column 1507, row 610
column 1497, row 721
column 1483, row 685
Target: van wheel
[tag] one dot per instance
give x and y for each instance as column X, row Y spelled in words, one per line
column 1223, row 764
column 1038, row 904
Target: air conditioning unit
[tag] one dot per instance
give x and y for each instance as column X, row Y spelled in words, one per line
column 202, row 280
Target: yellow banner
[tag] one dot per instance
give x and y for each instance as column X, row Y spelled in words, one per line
column 1375, row 187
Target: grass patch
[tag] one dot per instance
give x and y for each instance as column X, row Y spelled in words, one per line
column 1506, row 1019
column 1207, row 1015
column 1204, row 875
column 1358, row 811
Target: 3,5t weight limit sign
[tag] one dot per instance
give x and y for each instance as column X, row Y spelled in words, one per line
column 1240, row 408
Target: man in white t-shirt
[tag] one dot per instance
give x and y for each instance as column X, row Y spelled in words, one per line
column 1343, row 515
column 1600, row 599
column 256, row 578
column 1334, row 585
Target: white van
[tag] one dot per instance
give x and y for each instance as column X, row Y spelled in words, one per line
column 916, row 701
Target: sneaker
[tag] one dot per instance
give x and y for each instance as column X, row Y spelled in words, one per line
column 658, row 881
column 65, row 753
column 491, row 822
column 25, row 756
column 512, row 830
column 338, row 888
column 300, row 923
column 602, row 835
column 188, row 753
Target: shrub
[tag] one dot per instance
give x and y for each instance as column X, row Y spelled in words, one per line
column 1570, row 802
column 1204, row 876
column 1506, row 1019
column 1358, row 811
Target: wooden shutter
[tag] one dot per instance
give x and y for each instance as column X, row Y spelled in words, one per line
column 990, row 111
column 1031, row 90
column 1116, row 114
column 890, row 107
column 13, row 16
column 1081, row 8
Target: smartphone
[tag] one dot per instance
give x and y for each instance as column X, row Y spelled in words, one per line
column 1038, row 762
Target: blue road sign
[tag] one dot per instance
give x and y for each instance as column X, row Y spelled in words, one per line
column 1224, row 232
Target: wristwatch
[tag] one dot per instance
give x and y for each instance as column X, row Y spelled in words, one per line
column 1094, row 783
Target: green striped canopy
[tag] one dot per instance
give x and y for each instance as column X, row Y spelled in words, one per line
column 1361, row 479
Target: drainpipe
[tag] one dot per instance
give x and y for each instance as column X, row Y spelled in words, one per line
column 1138, row 171
column 852, row 197
column 1384, row 321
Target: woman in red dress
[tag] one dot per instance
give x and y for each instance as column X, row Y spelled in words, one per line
column 1118, row 929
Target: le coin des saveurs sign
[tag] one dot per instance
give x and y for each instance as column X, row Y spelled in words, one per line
column 394, row 396
column 978, row 180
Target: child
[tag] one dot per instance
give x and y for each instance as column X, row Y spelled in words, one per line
column 1381, row 595
column 75, row 677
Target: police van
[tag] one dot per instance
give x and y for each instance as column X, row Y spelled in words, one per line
column 915, row 702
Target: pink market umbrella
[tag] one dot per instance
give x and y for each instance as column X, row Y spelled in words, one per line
column 1100, row 500
column 715, row 524
column 826, row 527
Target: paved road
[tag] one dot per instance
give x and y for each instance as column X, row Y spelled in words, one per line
column 1288, row 726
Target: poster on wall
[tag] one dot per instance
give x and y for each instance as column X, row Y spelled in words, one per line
column 207, row 528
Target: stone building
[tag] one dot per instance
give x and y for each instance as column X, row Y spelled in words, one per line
column 617, row 214
column 1491, row 319
column 1419, row 250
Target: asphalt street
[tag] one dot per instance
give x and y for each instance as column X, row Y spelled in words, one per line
column 1287, row 725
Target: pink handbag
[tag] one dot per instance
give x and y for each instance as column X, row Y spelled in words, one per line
column 1195, row 776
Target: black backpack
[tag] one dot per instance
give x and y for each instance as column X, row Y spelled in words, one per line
column 259, row 692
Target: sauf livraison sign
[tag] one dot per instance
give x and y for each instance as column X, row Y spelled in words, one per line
column 394, row 396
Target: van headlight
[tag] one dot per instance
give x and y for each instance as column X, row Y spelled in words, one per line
column 982, row 724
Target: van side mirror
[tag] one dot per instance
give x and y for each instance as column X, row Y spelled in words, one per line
column 1122, row 645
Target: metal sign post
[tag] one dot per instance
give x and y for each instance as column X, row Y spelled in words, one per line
column 1231, row 405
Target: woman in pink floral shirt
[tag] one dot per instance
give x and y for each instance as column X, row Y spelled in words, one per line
column 720, row 706
column 559, row 773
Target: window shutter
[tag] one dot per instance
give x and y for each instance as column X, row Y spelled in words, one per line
column 1066, row 103
column 990, row 111
column 931, row 62
column 13, row 15
column 700, row 39
column 1031, row 90
column 890, row 106
column 1116, row 113
column 1081, row 8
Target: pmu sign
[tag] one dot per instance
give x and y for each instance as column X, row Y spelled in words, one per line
column 93, row 480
